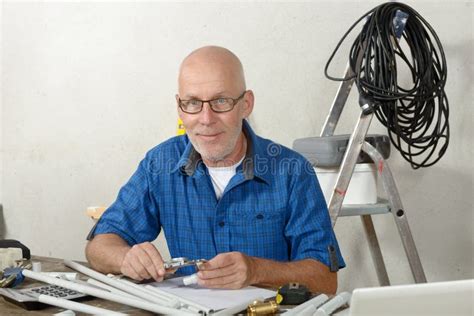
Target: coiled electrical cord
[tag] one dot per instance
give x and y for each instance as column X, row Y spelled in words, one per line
column 416, row 116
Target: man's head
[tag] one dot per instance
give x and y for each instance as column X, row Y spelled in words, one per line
column 210, row 73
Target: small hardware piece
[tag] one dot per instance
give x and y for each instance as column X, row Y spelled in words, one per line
column 182, row 262
column 258, row 308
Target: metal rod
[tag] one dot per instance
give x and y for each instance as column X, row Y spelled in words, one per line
column 398, row 213
column 348, row 164
column 338, row 103
column 375, row 251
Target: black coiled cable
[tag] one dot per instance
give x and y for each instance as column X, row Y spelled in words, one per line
column 416, row 116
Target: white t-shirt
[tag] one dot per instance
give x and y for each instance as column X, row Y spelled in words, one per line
column 221, row 176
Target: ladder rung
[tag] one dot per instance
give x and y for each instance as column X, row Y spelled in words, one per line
column 381, row 207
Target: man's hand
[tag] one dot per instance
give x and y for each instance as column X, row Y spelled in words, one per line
column 231, row 270
column 143, row 261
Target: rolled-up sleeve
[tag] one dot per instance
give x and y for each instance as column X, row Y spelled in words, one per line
column 133, row 216
column 308, row 229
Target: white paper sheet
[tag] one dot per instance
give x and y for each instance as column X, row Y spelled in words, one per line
column 213, row 298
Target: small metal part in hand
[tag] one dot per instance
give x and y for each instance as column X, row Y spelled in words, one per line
column 182, row 262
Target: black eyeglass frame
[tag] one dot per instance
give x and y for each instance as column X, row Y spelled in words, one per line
column 234, row 102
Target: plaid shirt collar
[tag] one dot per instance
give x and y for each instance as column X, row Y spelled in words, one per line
column 191, row 161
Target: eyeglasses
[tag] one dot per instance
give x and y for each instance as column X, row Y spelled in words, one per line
column 219, row 105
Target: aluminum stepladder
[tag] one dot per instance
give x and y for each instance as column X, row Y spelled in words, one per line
column 392, row 205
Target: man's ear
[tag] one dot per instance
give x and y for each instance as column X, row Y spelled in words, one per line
column 249, row 100
column 177, row 105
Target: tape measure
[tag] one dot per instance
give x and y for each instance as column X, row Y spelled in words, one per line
column 292, row 294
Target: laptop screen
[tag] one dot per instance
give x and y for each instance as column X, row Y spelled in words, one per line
column 439, row 298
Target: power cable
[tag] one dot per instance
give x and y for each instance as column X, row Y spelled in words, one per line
column 416, row 116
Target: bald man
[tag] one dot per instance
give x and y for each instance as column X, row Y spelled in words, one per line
column 251, row 207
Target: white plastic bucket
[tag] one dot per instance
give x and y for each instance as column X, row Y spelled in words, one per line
column 362, row 187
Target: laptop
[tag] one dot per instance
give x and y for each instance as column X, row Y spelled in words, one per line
column 451, row 298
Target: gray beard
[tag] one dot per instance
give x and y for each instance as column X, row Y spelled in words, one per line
column 217, row 157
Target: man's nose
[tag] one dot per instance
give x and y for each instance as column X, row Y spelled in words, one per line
column 207, row 115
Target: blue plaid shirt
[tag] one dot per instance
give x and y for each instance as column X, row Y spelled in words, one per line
column 272, row 208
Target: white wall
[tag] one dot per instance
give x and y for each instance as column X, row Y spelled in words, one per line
column 1, row 129
column 89, row 87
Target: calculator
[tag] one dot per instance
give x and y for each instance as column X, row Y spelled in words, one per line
column 28, row 298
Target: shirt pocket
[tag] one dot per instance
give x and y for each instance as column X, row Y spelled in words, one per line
column 259, row 233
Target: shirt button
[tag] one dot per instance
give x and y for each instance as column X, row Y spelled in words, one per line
column 221, row 224
column 259, row 216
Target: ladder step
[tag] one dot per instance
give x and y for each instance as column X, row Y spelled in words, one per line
column 328, row 151
column 381, row 207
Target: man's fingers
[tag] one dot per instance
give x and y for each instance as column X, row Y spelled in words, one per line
column 227, row 270
column 146, row 262
column 218, row 262
column 140, row 269
column 228, row 282
column 156, row 259
column 147, row 266
column 216, row 273
column 217, row 282
column 153, row 253
column 130, row 272
column 143, row 261
column 230, row 286
column 135, row 270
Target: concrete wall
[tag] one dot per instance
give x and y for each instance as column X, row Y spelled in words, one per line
column 89, row 87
